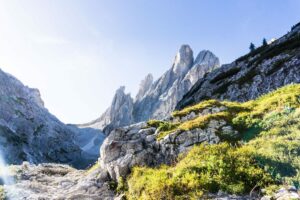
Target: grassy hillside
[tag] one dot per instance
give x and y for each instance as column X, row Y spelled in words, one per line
column 265, row 155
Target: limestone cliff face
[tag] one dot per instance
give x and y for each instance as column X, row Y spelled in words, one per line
column 158, row 99
column 28, row 132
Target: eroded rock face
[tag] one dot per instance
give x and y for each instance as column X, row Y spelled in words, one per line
column 158, row 99
column 250, row 76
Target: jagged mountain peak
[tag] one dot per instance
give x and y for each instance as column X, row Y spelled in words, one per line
column 206, row 57
column 157, row 99
column 183, row 60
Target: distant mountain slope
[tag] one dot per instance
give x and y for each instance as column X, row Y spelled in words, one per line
column 28, row 132
column 263, row 70
column 157, row 99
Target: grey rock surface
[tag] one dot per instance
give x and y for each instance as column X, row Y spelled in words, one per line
column 284, row 193
column 144, row 87
column 57, row 182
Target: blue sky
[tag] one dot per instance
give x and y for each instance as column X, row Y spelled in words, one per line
column 77, row 53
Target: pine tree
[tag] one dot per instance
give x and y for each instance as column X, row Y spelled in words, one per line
column 264, row 42
column 252, row 47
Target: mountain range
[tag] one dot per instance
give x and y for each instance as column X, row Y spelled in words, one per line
column 157, row 99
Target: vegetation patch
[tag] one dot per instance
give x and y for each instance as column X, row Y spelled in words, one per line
column 244, row 117
column 267, row 156
column 196, row 108
column 206, row 168
column 93, row 168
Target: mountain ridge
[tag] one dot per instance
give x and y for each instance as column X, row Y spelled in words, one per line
column 157, row 99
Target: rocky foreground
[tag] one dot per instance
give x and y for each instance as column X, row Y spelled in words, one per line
column 61, row 182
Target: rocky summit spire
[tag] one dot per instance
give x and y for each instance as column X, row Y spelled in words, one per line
column 183, row 60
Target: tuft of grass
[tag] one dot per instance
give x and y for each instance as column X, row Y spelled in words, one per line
column 93, row 168
column 196, row 108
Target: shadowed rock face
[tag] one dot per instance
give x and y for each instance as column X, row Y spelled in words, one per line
column 28, row 132
column 252, row 75
column 157, row 99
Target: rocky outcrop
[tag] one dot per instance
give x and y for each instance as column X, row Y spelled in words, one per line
column 261, row 71
column 158, row 99
column 28, row 132
column 138, row 144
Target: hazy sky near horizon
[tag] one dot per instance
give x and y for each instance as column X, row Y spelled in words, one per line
column 77, row 53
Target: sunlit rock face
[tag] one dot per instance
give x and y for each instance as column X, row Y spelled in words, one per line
column 28, row 132
column 157, row 99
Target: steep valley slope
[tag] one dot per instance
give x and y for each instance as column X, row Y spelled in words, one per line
column 28, row 132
